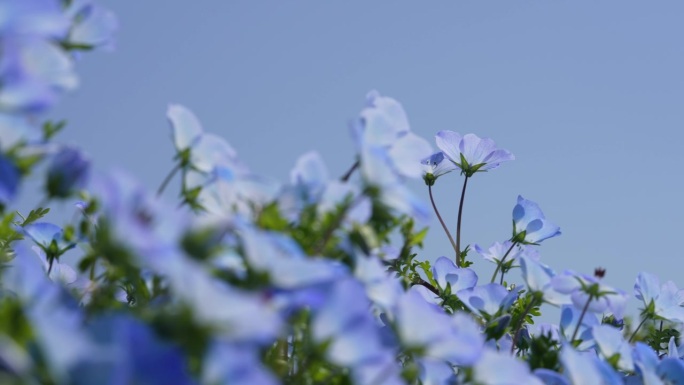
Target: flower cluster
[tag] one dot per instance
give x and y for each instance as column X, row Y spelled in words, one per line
column 315, row 280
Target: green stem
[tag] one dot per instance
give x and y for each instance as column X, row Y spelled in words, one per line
column 498, row 266
column 166, row 181
column 643, row 321
column 444, row 226
column 579, row 322
column 458, row 223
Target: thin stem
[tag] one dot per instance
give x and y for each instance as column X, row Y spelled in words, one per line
column 643, row 321
column 166, row 181
column 579, row 322
column 337, row 222
column 518, row 328
column 444, row 226
column 458, row 223
column 498, row 266
column 349, row 172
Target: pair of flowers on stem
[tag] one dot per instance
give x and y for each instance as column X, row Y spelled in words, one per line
column 471, row 155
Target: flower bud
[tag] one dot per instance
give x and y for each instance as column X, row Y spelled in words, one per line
column 67, row 173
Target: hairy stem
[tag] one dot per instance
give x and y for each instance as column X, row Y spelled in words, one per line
column 579, row 322
column 444, row 226
column 500, row 264
column 458, row 223
column 643, row 321
column 349, row 172
column 518, row 327
column 166, row 181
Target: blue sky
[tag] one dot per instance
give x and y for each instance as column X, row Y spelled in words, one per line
column 587, row 95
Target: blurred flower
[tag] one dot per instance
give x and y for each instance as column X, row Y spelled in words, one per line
column 500, row 368
column 588, row 291
column 538, row 277
column 93, row 26
column 9, row 180
column 529, row 224
column 470, row 153
column 612, row 344
column 488, row 300
column 67, row 173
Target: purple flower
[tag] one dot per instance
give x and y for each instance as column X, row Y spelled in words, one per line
column 470, row 153
column 68, row 172
column 529, row 224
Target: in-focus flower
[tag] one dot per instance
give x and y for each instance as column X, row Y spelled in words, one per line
column 446, row 274
column 435, row 166
column 529, row 224
column 664, row 302
column 470, row 153
column 67, row 173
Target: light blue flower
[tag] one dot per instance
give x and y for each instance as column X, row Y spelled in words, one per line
column 586, row 368
column 435, row 166
column 665, row 301
column 236, row 365
column 488, row 300
column 582, row 287
column 611, row 343
column 500, row 368
column 470, row 153
column 529, row 224
column 445, row 272
column 93, row 26
column 538, row 278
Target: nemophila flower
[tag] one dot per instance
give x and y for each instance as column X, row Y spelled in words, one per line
column 16, row 131
column 92, row 27
column 585, row 289
column 497, row 250
column 571, row 316
column 586, row 368
column 381, row 370
column 49, row 237
column 204, row 152
column 130, row 353
column 381, row 288
column 67, row 173
column 377, row 171
column 383, row 124
column 435, row 372
column 435, row 166
column 500, row 368
column 549, row 377
column 612, row 346
column 236, row 365
column 470, row 153
column 136, row 220
column 488, row 300
column 345, row 325
column 446, row 274
column 538, row 278
column 435, row 334
column 233, row 314
column 9, row 180
column 664, row 301
column 529, row 224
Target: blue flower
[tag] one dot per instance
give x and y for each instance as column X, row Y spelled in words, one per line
column 588, row 291
column 488, row 300
column 446, row 274
column 435, row 166
column 67, row 173
column 500, row 368
column 529, row 224
column 93, row 26
column 470, row 153
column 9, row 180
column 663, row 301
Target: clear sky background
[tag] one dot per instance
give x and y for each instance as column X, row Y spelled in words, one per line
column 587, row 95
